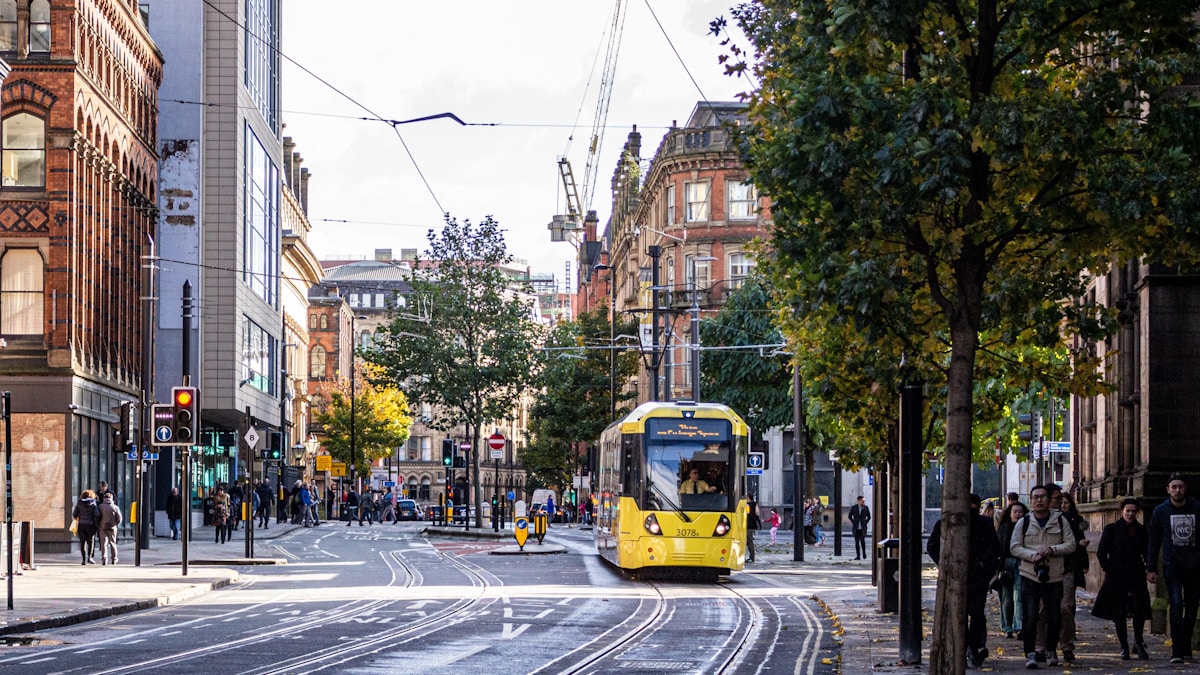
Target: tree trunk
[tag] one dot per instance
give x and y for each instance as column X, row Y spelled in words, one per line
column 947, row 654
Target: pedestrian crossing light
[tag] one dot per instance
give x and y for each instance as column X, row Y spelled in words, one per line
column 186, row 415
column 447, row 452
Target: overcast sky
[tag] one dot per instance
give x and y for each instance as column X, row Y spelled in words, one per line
column 530, row 67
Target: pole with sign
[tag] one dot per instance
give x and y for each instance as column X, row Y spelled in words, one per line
column 496, row 444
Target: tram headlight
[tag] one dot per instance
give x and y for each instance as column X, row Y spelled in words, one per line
column 722, row 527
column 651, row 525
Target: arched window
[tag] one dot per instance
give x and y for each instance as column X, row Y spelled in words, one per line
column 24, row 155
column 312, row 321
column 21, row 292
column 316, row 363
column 39, row 26
column 8, row 25
column 324, row 322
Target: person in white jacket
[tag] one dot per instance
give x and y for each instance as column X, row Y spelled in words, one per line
column 1041, row 541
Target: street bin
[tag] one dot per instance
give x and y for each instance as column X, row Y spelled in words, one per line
column 207, row 505
column 888, row 552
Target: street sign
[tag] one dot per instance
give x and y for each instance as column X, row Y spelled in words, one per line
column 753, row 472
column 324, row 462
column 252, row 438
column 1058, row 446
column 146, row 455
column 162, row 419
column 521, row 531
column 496, row 441
column 337, row 469
column 754, row 460
column 389, row 483
column 464, row 446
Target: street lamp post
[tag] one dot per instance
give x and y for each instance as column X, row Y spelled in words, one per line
column 353, row 396
column 612, row 340
column 695, row 325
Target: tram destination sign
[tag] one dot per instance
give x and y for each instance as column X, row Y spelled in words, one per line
column 707, row 430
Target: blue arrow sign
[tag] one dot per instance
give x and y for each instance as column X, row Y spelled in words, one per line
column 163, row 434
column 754, row 460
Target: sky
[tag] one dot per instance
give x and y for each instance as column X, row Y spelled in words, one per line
column 527, row 72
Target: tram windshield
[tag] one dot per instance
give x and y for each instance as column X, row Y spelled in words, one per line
column 689, row 464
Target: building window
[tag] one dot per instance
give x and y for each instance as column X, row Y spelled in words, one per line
column 24, row 156
column 258, row 357
column 697, row 271
column 262, row 64
column 743, row 201
column 316, row 363
column 8, row 25
column 262, row 221
column 424, row 492
column 324, row 322
column 414, row 449
column 740, row 267
column 21, row 292
column 697, row 202
column 670, row 204
column 312, row 321
column 39, row 26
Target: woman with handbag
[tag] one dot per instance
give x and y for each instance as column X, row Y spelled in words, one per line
column 1123, row 594
column 87, row 523
column 1008, row 579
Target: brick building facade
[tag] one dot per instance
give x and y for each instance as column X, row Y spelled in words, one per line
column 77, row 213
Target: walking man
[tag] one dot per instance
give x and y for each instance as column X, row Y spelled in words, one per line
column 174, row 510
column 1041, row 541
column 859, row 516
column 753, row 523
column 1173, row 530
column 984, row 554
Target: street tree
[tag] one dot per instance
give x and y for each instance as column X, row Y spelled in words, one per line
column 575, row 402
column 949, row 172
column 381, row 423
column 469, row 353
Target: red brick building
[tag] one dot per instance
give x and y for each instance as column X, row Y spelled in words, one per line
column 77, row 213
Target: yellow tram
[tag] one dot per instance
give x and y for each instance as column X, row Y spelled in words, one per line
column 669, row 490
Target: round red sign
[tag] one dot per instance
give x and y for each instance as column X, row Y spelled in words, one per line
column 496, row 441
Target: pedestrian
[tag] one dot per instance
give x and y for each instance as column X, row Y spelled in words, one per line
column 263, row 515
column 103, row 490
column 818, row 509
column 1041, row 540
column 1173, row 530
column 774, row 520
column 221, row 516
column 1122, row 555
column 368, row 505
column 989, row 512
column 806, row 520
column 549, row 510
column 352, row 508
column 110, row 519
column 306, row 504
column 315, row 495
column 235, row 505
column 859, row 516
column 1009, row 579
column 389, row 508
column 1075, row 571
column 983, row 556
column 87, row 520
column 174, row 509
column 753, row 523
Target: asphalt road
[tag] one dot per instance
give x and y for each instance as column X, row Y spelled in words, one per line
column 386, row 599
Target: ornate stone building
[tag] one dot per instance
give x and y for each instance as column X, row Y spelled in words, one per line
column 77, row 216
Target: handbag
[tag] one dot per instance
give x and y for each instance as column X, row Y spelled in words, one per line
column 74, row 526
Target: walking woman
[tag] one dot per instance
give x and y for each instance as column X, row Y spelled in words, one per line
column 1123, row 594
column 1010, row 573
column 221, row 515
column 87, row 514
column 774, row 521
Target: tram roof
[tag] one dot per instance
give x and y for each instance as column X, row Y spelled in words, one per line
column 682, row 409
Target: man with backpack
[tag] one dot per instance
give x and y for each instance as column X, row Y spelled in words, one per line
column 1041, row 540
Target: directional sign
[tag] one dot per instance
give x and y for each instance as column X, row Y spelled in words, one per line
column 521, row 531
column 1058, row 446
column 754, row 460
column 389, row 483
column 337, row 469
column 324, row 462
column 162, row 417
column 496, row 441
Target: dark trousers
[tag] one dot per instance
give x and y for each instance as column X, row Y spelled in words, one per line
column 976, row 619
column 860, row 544
column 1037, row 597
column 1183, row 590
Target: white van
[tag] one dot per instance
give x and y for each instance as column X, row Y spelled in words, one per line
column 538, row 500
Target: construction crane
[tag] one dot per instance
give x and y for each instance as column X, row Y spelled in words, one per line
column 562, row 227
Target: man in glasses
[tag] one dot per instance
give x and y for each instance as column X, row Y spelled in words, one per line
column 1041, row 541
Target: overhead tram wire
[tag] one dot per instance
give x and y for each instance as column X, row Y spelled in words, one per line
column 671, row 44
column 339, row 92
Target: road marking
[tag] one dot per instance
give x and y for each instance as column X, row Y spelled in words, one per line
column 26, row 663
column 509, row 633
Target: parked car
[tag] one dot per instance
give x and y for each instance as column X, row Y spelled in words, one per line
column 433, row 513
column 406, row 509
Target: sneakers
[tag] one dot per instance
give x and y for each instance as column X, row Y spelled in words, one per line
column 1052, row 658
column 1031, row 661
column 1040, row 656
column 1176, row 659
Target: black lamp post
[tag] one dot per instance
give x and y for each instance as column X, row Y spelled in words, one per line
column 612, row 339
column 353, row 396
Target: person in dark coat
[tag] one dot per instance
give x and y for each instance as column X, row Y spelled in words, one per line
column 753, row 523
column 981, row 567
column 859, row 517
column 174, row 510
column 87, row 513
column 1123, row 594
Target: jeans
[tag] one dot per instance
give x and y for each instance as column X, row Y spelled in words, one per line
column 1183, row 590
column 1037, row 596
column 1010, row 598
column 175, row 527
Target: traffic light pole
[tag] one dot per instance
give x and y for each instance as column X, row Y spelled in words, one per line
column 187, row 450
column 247, row 498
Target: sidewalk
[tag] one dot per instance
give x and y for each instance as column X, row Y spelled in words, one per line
column 61, row 591
column 870, row 640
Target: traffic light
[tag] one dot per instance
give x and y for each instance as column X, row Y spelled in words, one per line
column 447, row 452
column 187, row 415
column 272, row 450
column 1033, row 434
column 123, row 428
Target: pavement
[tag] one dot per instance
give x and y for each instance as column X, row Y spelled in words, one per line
column 60, row 591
